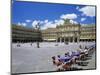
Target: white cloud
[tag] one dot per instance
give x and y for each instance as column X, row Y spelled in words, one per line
column 59, row 22
column 49, row 24
column 73, row 22
column 23, row 24
column 88, row 11
column 45, row 24
column 83, row 19
column 52, row 24
column 34, row 23
column 41, row 22
column 46, row 21
column 55, row 21
column 28, row 20
column 19, row 24
column 68, row 16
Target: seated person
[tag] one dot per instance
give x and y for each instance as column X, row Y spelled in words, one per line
column 67, row 57
column 76, row 53
column 56, row 62
column 64, row 59
column 60, row 58
column 82, row 51
column 80, row 46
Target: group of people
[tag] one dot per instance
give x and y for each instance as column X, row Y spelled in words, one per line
column 19, row 44
column 65, row 62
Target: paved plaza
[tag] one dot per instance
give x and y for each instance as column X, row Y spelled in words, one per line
column 27, row 58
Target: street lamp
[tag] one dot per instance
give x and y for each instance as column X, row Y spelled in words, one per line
column 37, row 27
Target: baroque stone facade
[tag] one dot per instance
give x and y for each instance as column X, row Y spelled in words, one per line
column 70, row 33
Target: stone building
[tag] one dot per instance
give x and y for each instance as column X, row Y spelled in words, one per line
column 63, row 33
column 23, row 34
column 88, row 33
column 49, row 34
column 66, row 32
column 69, row 32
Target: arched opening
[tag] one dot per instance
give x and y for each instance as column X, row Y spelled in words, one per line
column 75, row 39
column 66, row 39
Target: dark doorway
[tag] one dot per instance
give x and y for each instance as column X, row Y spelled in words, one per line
column 75, row 39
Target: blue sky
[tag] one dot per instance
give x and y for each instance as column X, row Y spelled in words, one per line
column 49, row 15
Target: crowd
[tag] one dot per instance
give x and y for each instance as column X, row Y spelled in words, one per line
column 65, row 62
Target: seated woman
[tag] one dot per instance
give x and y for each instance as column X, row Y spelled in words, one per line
column 72, row 60
column 81, row 54
column 82, row 51
column 68, row 60
column 65, row 58
column 68, row 63
column 75, row 56
column 56, row 62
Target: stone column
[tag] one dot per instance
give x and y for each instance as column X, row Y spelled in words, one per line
column 56, row 39
column 68, row 39
column 64, row 40
column 78, row 39
column 60, row 39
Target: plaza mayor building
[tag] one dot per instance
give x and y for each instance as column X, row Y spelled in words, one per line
column 66, row 32
column 69, row 32
column 88, row 33
column 24, row 34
